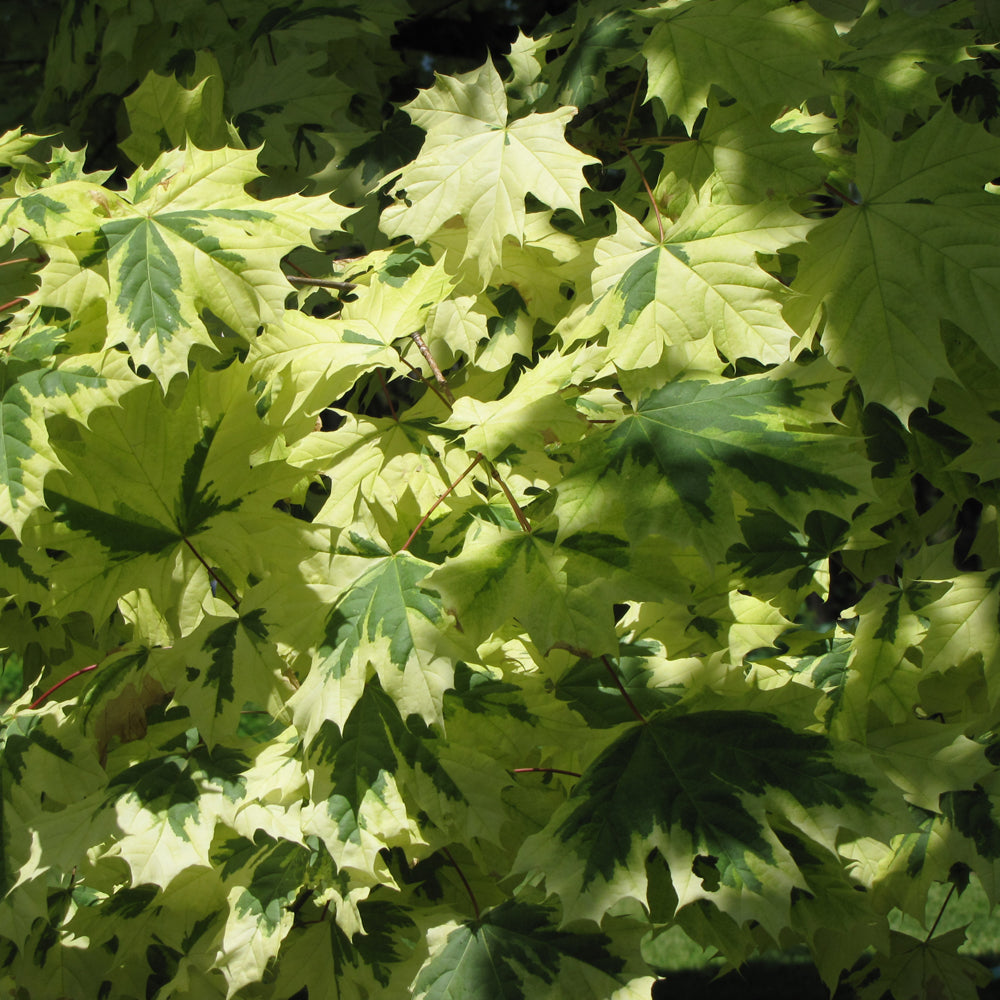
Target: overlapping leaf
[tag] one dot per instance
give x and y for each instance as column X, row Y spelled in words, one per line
column 186, row 221
column 478, row 164
column 701, row 280
column 764, row 51
column 908, row 252
column 692, row 447
column 513, row 952
column 152, row 491
column 386, row 625
column 33, row 389
column 661, row 786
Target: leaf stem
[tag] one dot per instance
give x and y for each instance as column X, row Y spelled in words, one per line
column 645, row 184
column 544, row 770
column 465, row 881
column 215, row 576
column 947, row 899
column 13, row 302
column 840, row 194
column 514, row 506
column 621, row 687
column 440, row 499
column 55, row 687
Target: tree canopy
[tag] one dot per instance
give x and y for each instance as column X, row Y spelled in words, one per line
column 487, row 488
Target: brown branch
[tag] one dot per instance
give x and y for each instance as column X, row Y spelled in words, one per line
column 342, row 286
column 422, row 347
column 21, row 260
column 440, row 499
column 423, row 378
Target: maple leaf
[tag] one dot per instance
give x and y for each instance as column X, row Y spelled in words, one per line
column 702, row 279
column 522, row 955
column 931, row 969
column 378, row 960
column 34, row 389
column 478, row 164
column 359, row 784
column 714, row 833
column 894, row 262
column 880, row 670
column 764, row 51
column 895, row 60
column 305, row 362
column 551, row 590
column 743, row 158
column 164, row 114
column 265, row 875
column 645, row 471
column 151, row 510
column 690, row 447
column 386, row 624
column 159, row 235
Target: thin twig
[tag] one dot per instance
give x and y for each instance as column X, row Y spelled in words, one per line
column 13, row 302
column 465, row 881
column 65, row 680
column 388, row 398
column 631, row 110
column 514, row 506
column 423, row 378
column 215, row 576
column 440, row 499
column 342, row 286
column 649, row 190
column 593, row 110
column 621, row 687
column 441, row 381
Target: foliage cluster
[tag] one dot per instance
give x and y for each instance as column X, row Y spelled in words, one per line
column 455, row 535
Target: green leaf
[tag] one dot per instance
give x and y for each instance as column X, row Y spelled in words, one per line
column 762, row 51
column 385, row 625
column 931, row 968
column 716, row 834
column 743, row 158
column 905, row 254
column 163, row 114
column 186, row 221
column 555, row 594
column 691, row 448
column 30, row 392
column 512, row 952
column 702, row 279
column 167, row 490
column 478, row 164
